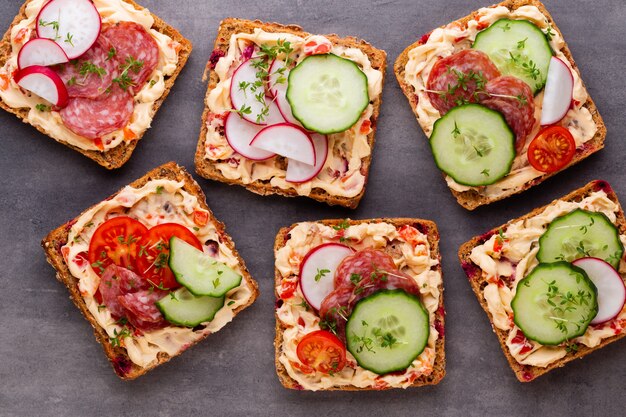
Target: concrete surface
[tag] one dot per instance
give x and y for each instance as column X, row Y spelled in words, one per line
column 50, row 363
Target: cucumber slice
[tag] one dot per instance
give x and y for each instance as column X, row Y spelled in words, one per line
column 581, row 234
column 473, row 145
column 200, row 273
column 185, row 309
column 554, row 303
column 327, row 93
column 387, row 331
column 518, row 48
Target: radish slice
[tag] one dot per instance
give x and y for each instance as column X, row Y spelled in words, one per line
column 286, row 140
column 44, row 82
column 611, row 290
column 73, row 24
column 40, row 51
column 279, row 91
column 559, row 92
column 298, row 172
column 317, row 271
column 245, row 74
column 239, row 133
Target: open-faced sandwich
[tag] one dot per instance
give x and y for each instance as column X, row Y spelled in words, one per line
column 359, row 305
column 552, row 282
column 151, row 269
column 501, row 99
column 89, row 74
column 290, row 113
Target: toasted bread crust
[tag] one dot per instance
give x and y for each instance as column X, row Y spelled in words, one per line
column 472, row 199
column 53, row 243
column 526, row 373
column 118, row 156
column 206, row 168
column 425, row 226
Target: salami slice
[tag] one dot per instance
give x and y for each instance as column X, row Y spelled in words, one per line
column 362, row 263
column 334, row 310
column 454, row 80
column 91, row 75
column 141, row 310
column 117, row 281
column 133, row 44
column 518, row 108
column 94, row 118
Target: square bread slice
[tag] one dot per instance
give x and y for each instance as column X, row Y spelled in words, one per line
column 210, row 168
column 526, row 176
column 479, row 279
column 391, row 235
column 240, row 298
column 116, row 156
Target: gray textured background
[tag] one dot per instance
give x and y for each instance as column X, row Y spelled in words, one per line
column 49, row 361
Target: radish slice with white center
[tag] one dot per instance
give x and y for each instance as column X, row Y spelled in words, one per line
column 44, row 82
column 73, row 24
column 279, row 90
column 559, row 92
column 317, row 271
column 611, row 289
column 286, row 140
column 239, row 133
column 298, row 172
column 40, row 51
column 241, row 94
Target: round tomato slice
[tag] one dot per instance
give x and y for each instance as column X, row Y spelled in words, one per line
column 322, row 351
column 154, row 253
column 552, row 149
column 116, row 241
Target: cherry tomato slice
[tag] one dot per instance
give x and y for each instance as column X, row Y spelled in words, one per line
column 152, row 263
column 116, row 242
column 322, row 351
column 552, row 149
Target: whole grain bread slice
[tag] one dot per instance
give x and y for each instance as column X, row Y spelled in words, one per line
column 426, row 227
column 207, row 169
column 526, row 373
column 53, row 243
column 472, row 198
column 119, row 155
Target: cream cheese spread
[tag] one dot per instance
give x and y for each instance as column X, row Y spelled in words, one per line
column 413, row 258
column 342, row 174
column 158, row 201
column 504, row 267
column 111, row 11
column 453, row 38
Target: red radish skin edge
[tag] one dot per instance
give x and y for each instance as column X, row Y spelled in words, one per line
column 571, row 98
column 270, row 91
column 319, row 167
column 94, row 41
column 264, row 131
column 281, row 100
column 232, row 114
column 308, row 255
column 581, row 261
column 62, row 98
column 24, row 48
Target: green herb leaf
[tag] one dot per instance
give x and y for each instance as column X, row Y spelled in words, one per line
column 87, row 68
column 69, row 38
column 321, row 273
column 111, row 53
